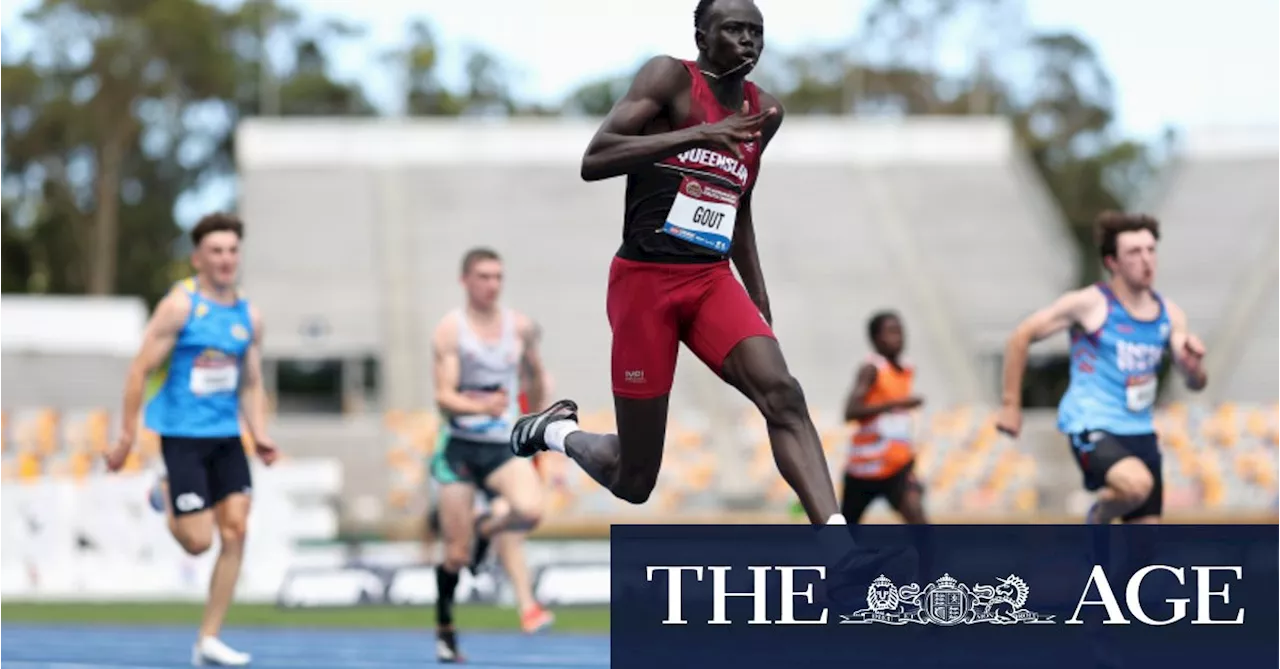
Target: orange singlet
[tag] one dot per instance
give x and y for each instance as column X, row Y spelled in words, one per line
column 881, row 446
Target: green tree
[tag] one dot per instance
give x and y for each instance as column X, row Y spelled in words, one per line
column 486, row 91
column 125, row 106
column 15, row 254
column 78, row 109
column 309, row 89
column 418, row 64
column 597, row 97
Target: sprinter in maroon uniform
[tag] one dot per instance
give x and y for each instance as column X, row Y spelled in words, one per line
column 689, row 137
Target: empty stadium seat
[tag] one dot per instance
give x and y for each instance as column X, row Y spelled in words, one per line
column 1219, row 458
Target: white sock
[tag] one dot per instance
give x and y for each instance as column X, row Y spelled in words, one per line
column 556, row 433
column 837, row 519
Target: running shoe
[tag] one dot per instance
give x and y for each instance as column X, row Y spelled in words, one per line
column 529, row 435
column 447, row 646
column 210, row 651
column 536, row 619
column 155, row 496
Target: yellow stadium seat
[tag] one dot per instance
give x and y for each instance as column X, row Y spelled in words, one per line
column 761, row 460
column 701, row 476
column 46, row 437
column 1026, row 500
column 398, row 457
column 832, row 442
column 80, row 465
column 398, row 499
column 149, row 443
column 1256, row 424
column 133, row 463
column 779, row 491
column 423, row 428
column 667, row 501
column 598, row 421
column 394, row 419
column 412, row 477
column 30, row 466
column 1214, row 493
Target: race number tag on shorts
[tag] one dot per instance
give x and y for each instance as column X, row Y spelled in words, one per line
column 703, row 214
column 208, row 379
column 894, row 426
column 478, row 423
column 1140, row 392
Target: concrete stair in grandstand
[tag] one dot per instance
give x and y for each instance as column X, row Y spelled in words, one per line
column 965, row 216
column 1224, row 275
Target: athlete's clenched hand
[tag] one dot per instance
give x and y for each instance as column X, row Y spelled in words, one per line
column 117, row 455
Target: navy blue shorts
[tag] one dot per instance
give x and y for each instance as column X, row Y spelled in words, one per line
column 1097, row 451
column 204, row 471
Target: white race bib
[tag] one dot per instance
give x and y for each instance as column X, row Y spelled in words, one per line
column 858, row 469
column 894, row 426
column 872, row 450
column 1140, row 392
column 478, row 423
column 703, row 214
column 210, row 379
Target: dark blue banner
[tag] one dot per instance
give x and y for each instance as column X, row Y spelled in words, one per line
column 967, row 597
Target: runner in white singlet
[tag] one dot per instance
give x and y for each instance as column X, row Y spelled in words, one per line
column 479, row 352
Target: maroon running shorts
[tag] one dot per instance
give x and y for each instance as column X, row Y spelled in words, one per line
column 655, row 306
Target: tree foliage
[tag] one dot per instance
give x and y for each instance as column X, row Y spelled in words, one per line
column 123, row 108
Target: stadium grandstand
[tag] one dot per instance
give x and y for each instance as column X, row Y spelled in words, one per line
column 357, row 228
column 951, row 227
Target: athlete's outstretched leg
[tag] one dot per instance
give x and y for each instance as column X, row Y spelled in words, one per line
column 510, row 548
column 756, row 368
column 232, row 516
column 643, row 302
column 457, row 505
column 626, row 463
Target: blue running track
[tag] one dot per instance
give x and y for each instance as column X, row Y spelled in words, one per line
column 85, row 647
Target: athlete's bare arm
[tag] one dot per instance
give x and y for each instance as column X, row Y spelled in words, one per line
column 1073, row 308
column 856, row 408
column 618, row 147
column 1187, row 349
column 448, row 371
column 157, row 343
column 534, row 379
column 253, row 394
column 745, row 252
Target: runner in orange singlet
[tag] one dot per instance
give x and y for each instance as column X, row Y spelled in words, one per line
column 881, row 457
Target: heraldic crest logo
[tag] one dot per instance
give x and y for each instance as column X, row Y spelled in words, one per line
column 947, row 602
